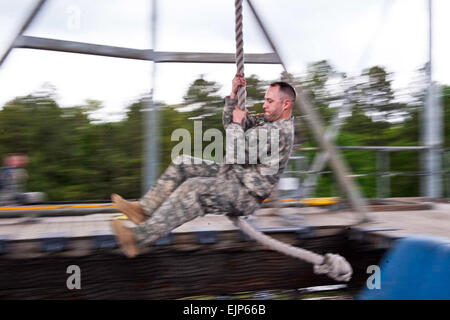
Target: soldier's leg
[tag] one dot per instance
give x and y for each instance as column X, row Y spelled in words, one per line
column 6, row 198
column 196, row 197
column 180, row 207
column 181, row 169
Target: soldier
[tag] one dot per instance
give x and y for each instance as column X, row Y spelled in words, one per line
column 187, row 190
column 13, row 177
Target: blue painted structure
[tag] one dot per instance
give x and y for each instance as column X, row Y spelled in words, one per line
column 416, row 268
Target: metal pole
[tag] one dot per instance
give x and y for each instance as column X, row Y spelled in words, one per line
column 151, row 121
column 22, row 29
column 432, row 125
column 321, row 159
column 38, row 43
column 383, row 179
column 266, row 34
column 446, row 167
column 339, row 168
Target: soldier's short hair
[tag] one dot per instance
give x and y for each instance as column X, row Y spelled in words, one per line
column 286, row 89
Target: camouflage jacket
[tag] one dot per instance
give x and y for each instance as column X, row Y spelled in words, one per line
column 12, row 179
column 257, row 151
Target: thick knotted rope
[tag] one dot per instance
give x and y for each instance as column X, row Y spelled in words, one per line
column 335, row 266
column 242, row 93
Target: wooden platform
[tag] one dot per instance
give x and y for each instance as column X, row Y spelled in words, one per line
column 205, row 256
column 435, row 221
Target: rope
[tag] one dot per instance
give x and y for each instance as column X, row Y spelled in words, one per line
column 334, row 265
column 239, row 51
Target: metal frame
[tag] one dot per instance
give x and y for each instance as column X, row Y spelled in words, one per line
column 432, row 129
column 340, row 169
column 382, row 173
column 23, row 28
column 151, row 147
column 27, row 42
column 321, row 158
column 151, row 122
column 303, row 103
column 377, row 148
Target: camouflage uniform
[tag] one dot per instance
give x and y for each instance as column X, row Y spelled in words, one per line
column 12, row 185
column 187, row 190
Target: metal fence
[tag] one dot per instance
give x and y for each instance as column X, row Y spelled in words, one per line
column 383, row 172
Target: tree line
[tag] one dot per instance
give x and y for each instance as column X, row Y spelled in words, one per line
column 72, row 157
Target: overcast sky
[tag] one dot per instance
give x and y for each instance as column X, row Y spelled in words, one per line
column 351, row 34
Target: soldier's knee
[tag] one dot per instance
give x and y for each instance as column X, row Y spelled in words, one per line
column 195, row 185
column 186, row 160
column 182, row 159
column 192, row 182
column 179, row 165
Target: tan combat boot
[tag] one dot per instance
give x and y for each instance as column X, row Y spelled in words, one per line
column 126, row 238
column 132, row 210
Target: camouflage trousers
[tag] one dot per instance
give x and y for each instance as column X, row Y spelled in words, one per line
column 188, row 190
column 12, row 198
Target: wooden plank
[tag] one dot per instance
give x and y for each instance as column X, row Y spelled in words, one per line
column 163, row 272
column 434, row 221
column 187, row 268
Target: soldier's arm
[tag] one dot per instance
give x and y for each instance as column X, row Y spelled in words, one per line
column 227, row 116
column 250, row 121
column 269, row 162
column 231, row 101
column 241, row 146
column 278, row 142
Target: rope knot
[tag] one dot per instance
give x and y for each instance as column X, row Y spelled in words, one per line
column 335, row 266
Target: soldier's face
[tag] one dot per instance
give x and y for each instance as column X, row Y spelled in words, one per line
column 15, row 161
column 273, row 104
